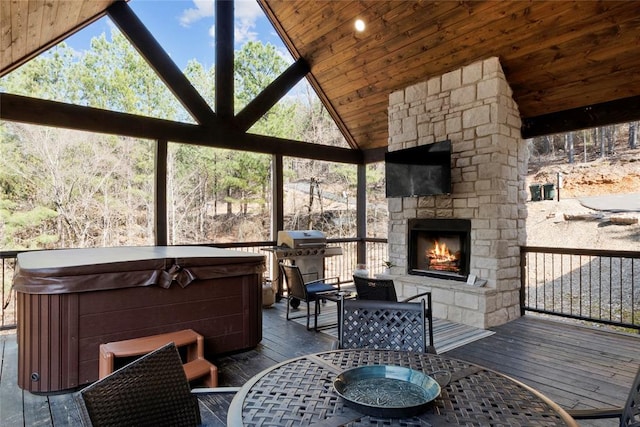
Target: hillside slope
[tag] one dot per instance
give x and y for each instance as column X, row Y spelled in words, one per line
column 567, row 223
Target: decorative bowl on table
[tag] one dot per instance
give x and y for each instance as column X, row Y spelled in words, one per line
column 386, row 390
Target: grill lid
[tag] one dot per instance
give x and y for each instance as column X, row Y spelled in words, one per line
column 301, row 238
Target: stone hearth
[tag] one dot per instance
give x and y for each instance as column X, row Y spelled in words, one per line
column 473, row 108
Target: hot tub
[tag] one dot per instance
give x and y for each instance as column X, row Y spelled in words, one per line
column 72, row 300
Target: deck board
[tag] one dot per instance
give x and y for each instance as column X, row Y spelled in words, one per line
column 578, row 367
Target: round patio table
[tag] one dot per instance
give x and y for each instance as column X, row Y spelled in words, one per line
column 300, row 392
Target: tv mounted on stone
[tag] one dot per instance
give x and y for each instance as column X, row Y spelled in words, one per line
column 419, row 171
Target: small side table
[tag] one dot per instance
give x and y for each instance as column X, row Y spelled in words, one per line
column 330, row 296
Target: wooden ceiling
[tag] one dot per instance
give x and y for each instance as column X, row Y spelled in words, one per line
column 28, row 28
column 570, row 63
column 557, row 55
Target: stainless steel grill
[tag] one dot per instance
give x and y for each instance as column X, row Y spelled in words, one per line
column 305, row 248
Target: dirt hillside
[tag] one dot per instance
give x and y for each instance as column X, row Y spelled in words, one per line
column 567, row 223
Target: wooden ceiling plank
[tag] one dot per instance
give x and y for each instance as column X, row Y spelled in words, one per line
column 564, row 28
column 36, row 11
column 415, row 53
column 320, row 19
column 478, row 48
column 342, row 36
column 469, row 30
column 6, row 37
column 50, row 24
column 559, row 99
column 90, row 9
column 384, row 42
column 355, row 105
column 598, row 51
column 19, row 12
column 412, row 71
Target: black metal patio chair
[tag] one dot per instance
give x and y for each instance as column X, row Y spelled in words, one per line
column 629, row 414
column 387, row 325
column 299, row 290
column 369, row 288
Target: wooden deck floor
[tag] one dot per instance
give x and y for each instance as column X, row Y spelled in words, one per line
column 575, row 366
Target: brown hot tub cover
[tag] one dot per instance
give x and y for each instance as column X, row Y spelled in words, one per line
column 76, row 270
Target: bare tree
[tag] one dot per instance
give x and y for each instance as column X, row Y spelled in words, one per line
column 633, row 135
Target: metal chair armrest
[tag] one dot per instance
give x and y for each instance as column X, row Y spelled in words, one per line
column 416, row 296
column 594, row 414
column 205, row 390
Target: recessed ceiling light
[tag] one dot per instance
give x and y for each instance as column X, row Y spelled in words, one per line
column 359, row 25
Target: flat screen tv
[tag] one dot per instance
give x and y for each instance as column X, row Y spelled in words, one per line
column 419, row 171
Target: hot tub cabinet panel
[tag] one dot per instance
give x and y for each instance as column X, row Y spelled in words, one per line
column 213, row 291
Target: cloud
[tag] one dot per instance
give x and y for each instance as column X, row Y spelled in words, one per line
column 246, row 13
column 202, row 9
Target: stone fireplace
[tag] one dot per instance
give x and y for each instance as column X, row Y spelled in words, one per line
column 439, row 248
column 476, row 279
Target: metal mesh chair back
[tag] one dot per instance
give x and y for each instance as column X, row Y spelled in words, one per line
column 382, row 325
column 631, row 413
column 294, row 280
column 151, row 391
column 375, row 289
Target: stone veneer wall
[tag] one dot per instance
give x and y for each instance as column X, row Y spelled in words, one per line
column 473, row 108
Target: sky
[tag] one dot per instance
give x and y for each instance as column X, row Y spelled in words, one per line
column 186, row 28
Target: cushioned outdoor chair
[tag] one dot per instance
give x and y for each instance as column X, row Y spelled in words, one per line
column 384, row 290
column 382, row 325
column 299, row 290
column 150, row 391
column 629, row 414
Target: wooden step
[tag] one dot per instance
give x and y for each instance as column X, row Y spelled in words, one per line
column 196, row 365
column 200, row 368
column 144, row 345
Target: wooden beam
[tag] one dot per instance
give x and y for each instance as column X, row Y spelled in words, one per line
column 374, row 155
column 277, row 216
column 51, row 113
column 262, row 103
column 607, row 113
column 160, row 196
column 144, row 42
column 224, row 60
column 361, row 214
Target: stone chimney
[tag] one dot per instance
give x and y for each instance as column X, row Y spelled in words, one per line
column 474, row 109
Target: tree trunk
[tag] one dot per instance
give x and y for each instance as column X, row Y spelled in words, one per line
column 633, row 135
column 569, row 145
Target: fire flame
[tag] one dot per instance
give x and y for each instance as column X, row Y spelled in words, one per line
column 441, row 258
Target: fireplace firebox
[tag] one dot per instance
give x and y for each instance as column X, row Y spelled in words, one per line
column 440, row 248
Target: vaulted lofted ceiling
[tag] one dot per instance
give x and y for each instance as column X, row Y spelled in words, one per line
column 557, row 55
column 571, row 64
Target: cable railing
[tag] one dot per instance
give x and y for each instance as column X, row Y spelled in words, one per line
column 597, row 286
